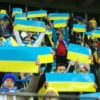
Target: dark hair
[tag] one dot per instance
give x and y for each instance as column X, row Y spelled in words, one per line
column 61, row 64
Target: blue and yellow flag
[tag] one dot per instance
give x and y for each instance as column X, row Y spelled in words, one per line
column 2, row 15
column 71, row 82
column 89, row 34
column 9, row 42
column 79, row 53
column 79, row 27
column 21, row 16
column 96, row 33
column 90, row 96
column 58, row 16
column 17, row 11
column 28, row 25
column 60, row 23
column 39, row 13
column 21, row 59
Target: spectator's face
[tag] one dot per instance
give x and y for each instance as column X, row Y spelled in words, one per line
column 2, row 22
column 61, row 69
column 60, row 37
column 9, row 83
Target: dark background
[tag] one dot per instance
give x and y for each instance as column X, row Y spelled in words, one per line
column 78, row 7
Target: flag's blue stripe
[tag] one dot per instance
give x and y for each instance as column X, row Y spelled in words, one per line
column 79, row 25
column 58, row 14
column 96, row 31
column 79, row 49
column 22, row 53
column 2, row 15
column 59, row 21
column 89, row 33
column 17, row 9
column 37, row 12
column 30, row 23
column 69, row 77
column 20, row 15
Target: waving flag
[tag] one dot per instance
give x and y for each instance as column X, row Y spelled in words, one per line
column 79, row 53
column 16, row 11
column 90, row 96
column 2, row 11
column 28, row 25
column 96, row 33
column 79, row 28
column 59, row 23
column 58, row 16
column 21, row 16
column 71, row 82
column 39, row 13
column 21, row 59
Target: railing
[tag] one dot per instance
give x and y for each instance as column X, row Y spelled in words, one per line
column 60, row 97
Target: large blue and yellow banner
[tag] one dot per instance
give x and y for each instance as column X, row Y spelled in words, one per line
column 17, row 11
column 96, row 33
column 58, row 16
column 23, row 59
column 90, row 96
column 21, row 16
column 60, row 23
column 28, row 25
column 79, row 53
column 71, row 82
column 79, row 27
column 39, row 13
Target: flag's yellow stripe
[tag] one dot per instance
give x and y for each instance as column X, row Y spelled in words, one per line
column 29, row 28
column 21, row 18
column 3, row 11
column 79, row 29
column 73, row 86
column 58, row 18
column 45, row 58
column 3, row 39
column 80, row 57
column 95, row 35
column 18, row 66
column 36, row 15
column 14, row 43
column 16, row 12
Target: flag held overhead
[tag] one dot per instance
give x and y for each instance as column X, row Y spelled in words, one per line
column 21, row 16
column 80, row 53
column 16, row 11
column 39, row 13
column 71, row 82
column 96, row 33
column 28, row 25
column 79, row 28
column 58, row 16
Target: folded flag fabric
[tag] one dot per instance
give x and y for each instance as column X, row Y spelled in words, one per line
column 60, row 23
column 2, row 11
column 21, row 16
column 39, row 13
column 21, row 59
column 58, row 16
column 89, row 34
column 28, row 25
column 79, row 27
column 10, row 42
column 71, row 82
column 16, row 11
column 90, row 96
column 96, row 33
column 79, row 53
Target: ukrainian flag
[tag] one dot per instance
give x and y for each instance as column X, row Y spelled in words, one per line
column 79, row 28
column 59, row 23
column 90, row 96
column 79, row 53
column 21, row 59
column 2, row 11
column 96, row 33
column 71, row 82
column 10, row 42
column 39, row 13
column 89, row 34
column 28, row 25
column 16, row 11
column 21, row 16
column 58, row 16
